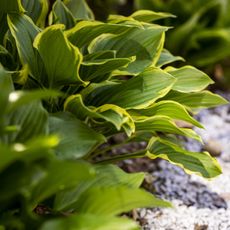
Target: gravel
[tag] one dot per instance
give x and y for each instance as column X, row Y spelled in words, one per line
column 187, row 218
column 171, row 183
column 199, row 204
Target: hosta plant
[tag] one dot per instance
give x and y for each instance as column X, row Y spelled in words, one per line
column 69, row 84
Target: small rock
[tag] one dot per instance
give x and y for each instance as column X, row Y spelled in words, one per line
column 213, row 147
column 200, row 227
column 184, row 124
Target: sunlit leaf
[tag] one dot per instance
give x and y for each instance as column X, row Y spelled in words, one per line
column 133, row 43
column 62, row 64
column 116, row 115
column 189, row 79
column 149, row 16
column 168, row 108
column 135, row 93
column 203, row 99
column 160, row 123
column 192, row 162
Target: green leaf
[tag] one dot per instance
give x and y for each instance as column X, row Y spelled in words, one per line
column 35, row 149
column 22, row 97
column 192, row 162
column 4, row 27
column 90, row 222
column 76, row 138
column 189, row 79
column 113, row 114
column 110, row 175
column 37, row 10
column 61, row 175
column 106, row 176
column 171, row 109
column 149, row 16
column 24, row 31
column 100, row 69
column 62, row 64
column 102, row 55
column 160, row 123
column 136, row 93
column 31, row 120
column 116, row 200
column 11, row 6
column 79, row 9
column 166, row 58
column 145, row 43
column 6, row 58
column 62, row 15
column 204, row 99
column 6, row 87
column 85, row 31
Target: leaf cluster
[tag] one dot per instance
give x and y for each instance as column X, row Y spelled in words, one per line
column 68, row 85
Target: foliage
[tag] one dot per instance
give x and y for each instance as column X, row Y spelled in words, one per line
column 201, row 33
column 66, row 90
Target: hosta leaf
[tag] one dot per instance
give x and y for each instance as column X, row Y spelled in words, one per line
column 107, row 172
column 204, row 99
column 61, row 59
column 90, row 222
column 85, row 31
column 116, row 200
column 6, row 87
column 166, row 58
column 21, row 77
column 4, row 27
column 200, row 163
column 36, row 10
column 149, row 16
column 171, row 109
column 144, row 43
column 79, row 9
column 189, row 79
column 100, row 69
column 23, row 97
column 62, row 15
column 136, row 93
column 61, row 175
column 24, row 31
column 11, row 6
column 116, row 115
column 31, row 121
column 102, row 55
column 32, row 151
column 76, row 138
column 6, row 58
column 160, row 123
column 106, row 176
